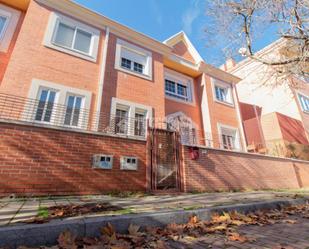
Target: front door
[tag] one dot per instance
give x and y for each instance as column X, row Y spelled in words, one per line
column 164, row 151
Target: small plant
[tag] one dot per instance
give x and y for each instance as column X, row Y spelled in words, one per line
column 43, row 212
column 192, row 207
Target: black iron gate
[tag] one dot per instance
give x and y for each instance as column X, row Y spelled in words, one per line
column 164, row 151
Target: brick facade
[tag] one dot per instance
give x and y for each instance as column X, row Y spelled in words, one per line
column 31, row 59
column 218, row 170
column 5, row 56
column 40, row 161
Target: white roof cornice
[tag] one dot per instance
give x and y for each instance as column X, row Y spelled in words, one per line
column 181, row 36
column 96, row 19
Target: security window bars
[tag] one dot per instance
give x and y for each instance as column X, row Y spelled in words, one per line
column 139, row 124
column 45, row 105
column 73, row 109
column 121, row 121
column 73, row 38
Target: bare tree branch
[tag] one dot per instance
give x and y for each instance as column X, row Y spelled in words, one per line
column 241, row 22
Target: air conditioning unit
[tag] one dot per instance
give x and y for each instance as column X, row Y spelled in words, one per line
column 129, row 163
column 102, row 161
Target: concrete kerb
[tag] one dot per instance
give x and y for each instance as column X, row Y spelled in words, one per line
column 46, row 234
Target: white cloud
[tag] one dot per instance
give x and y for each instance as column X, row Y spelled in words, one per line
column 190, row 15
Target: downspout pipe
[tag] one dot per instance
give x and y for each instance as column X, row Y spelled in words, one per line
column 102, row 78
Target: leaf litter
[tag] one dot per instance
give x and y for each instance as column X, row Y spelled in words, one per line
column 224, row 224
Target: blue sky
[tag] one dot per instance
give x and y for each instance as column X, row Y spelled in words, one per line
column 161, row 19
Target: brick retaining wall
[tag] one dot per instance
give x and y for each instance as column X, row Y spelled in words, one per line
column 224, row 170
column 46, row 161
column 40, row 161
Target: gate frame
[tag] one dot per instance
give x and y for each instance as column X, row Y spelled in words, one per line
column 152, row 160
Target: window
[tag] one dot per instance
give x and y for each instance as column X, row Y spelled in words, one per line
column 228, row 142
column 304, row 101
column 170, row 86
column 58, row 105
column 133, row 59
column 184, row 125
column 125, row 63
column 9, row 18
column 176, row 90
column 121, row 121
column 229, row 138
column 72, row 37
column 138, row 67
column 3, row 22
column 139, row 124
column 46, row 105
column 129, row 118
column 178, row 86
column 223, row 92
column 73, row 110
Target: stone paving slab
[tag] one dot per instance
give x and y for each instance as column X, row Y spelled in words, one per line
column 33, row 235
column 17, row 210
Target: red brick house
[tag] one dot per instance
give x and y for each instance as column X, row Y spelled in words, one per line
column 66, row 55
column 88, row 105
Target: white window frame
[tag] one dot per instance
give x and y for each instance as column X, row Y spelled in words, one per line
column 82, row 110
column 183, row 80
column 228, row 87
column 6, row 22
column 132, row 108
column 51, row 31
column 121, row 44
column 300, row 102
column 61, row 97
column 237, row 136
column 12, row 17
column 52, row 118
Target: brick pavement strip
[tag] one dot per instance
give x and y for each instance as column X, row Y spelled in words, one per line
column 277, row 236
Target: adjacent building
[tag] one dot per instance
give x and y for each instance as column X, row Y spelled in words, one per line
column 274, row 111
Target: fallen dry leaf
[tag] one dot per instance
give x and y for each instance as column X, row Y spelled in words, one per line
column 221, row 218
column 193, row 220
column 237, row 237
column 66, row 240
column 289, row 221
column 133, row 230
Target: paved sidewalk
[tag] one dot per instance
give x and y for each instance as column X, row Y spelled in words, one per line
column 13, row 211
column 277, row 236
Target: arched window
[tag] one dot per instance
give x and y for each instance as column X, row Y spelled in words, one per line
column 183, row 124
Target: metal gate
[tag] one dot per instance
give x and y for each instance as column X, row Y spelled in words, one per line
column 164, row 151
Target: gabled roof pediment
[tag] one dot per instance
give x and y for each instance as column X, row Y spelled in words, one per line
column 183, row 47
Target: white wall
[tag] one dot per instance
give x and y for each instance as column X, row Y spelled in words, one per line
column 257, row 88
